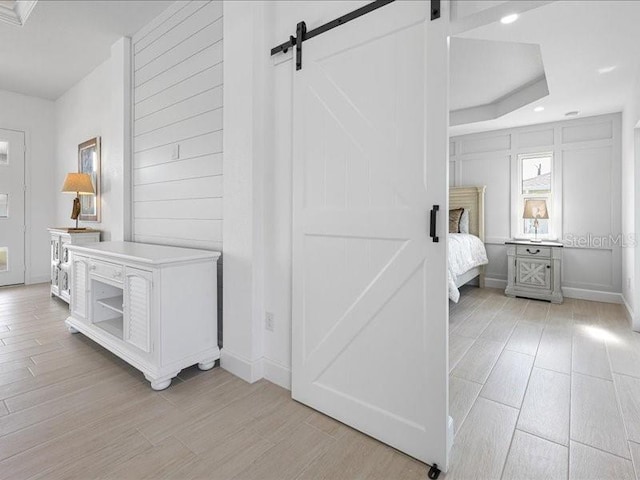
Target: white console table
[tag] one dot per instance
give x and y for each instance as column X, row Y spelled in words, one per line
column 153, row 306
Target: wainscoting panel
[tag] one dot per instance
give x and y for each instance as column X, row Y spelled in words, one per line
column 483, row 143
column 587, row 192
column 497, row 267
column 536, row 138
column 591, row 269
column 494, row 172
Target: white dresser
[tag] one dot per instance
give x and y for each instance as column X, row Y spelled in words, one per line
column 153, row 306
column 534, row 270
column 60, row 239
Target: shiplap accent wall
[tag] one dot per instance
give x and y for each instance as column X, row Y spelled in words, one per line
column 587, row 156
column 177, row 112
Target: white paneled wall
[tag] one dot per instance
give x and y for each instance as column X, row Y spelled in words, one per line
column 587, row 167
column 177, row 161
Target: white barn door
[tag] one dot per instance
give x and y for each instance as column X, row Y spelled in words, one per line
column 369, row 339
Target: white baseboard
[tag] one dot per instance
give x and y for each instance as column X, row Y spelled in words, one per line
column 249, row 371
column 593, row 295
column 569, row 292
column 277, row 373
column 252, row 371
column 38, row 279
column 495, row 283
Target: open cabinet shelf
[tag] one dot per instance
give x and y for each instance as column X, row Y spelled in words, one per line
column 113, row 303
column 112, row 326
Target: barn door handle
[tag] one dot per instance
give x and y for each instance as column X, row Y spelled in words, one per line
column 433, row 223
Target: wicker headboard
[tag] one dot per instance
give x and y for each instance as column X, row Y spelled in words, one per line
column 471, row 198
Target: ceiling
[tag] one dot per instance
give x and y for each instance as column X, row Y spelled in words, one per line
column 16, row 12
column 482, row 71
column 62, row 41
column 576, row 39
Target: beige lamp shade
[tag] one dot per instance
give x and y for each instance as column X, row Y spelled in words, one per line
column 535, row 209
column 79, row 183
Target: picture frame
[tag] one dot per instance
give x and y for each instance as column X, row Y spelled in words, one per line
column 89, row 162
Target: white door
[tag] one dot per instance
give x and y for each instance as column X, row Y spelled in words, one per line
column 370, row 311
column 12, row 221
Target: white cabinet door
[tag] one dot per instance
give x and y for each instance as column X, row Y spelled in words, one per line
column 137, row 308
column 55, row 264
column 533, row 272
column 80, row 286
column 369, row 338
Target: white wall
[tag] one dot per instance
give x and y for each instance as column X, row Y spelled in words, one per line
column 588, row 162
column 282, row 19
column 35, row 117
column 177, row 143
column 243, row 155
column 94, row 107
column 630, row 203
column 257, row 183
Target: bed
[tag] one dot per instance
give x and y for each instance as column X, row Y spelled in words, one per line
column 467, row 255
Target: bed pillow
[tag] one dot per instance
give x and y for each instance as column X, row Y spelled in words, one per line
column 464, row 221
column 454, row 219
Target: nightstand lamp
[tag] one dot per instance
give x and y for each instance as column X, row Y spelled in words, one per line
column 535, row 209
column 80, row 184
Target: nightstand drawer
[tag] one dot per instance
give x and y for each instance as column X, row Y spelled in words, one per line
column 533, row 251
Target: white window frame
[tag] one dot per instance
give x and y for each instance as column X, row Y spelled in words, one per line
column 552, row 198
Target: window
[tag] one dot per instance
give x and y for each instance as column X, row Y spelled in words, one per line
column 4, row 259
column 535, row 182
column 4, row 153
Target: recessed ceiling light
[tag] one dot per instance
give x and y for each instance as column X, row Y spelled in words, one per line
column 573, row 113
column 507, row 19
column 608, row 69
column 538, row 109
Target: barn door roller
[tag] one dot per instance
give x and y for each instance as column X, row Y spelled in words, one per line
column 302, row 34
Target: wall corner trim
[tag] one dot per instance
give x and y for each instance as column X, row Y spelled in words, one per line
column 277, row 373
column 247, row 370
column 631, row 316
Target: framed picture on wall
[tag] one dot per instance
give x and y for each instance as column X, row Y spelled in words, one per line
column 89, row 162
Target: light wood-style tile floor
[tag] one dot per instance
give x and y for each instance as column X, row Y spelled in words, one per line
column 537, row 391
column 69, row 409
column 542, row 391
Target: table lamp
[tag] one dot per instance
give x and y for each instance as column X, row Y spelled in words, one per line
column 535, row 209
column 80, row 184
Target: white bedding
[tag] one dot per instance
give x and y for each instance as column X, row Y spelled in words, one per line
column 465, row 252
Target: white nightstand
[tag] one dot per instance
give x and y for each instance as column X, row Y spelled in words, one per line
column 534, row 270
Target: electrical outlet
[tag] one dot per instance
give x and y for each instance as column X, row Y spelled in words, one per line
column 268, row 321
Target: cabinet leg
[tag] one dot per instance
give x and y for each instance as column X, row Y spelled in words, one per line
column 160, row 385
column 72, row 330
column 162, row 382
column 206, row 364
